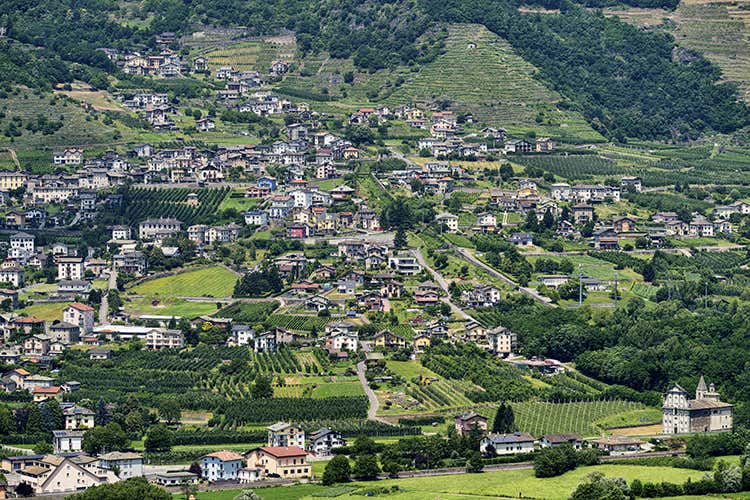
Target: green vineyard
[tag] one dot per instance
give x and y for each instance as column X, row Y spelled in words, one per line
column 144, row 203
column 299, row 323
column 538, row 418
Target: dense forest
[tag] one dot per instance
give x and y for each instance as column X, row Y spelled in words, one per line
column 645, row 348
column 627, row 82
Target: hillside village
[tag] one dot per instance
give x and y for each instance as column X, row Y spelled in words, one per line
column 264, row 286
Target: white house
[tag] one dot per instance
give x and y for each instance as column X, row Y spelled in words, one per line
column 80, row 315
column 221, row 465
column 507, row 444
column 128, row 464
column 323, row 441
column 21, row 245
column 450, row 220
column 70, row 268
column 343, row 341
column 256, row 218
column 67, row 441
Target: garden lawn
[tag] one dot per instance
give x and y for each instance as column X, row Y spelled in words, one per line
column 207, row 282
column 240, row 203
column 522, row 483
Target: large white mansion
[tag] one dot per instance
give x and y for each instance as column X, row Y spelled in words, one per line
column 705, row 413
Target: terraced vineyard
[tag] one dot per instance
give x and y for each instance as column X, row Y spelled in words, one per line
column 482, row 74
column 251, row 56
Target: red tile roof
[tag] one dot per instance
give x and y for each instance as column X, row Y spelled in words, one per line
column 47, row 390
column 284, row 451
column 30, row 319
column 81, row 307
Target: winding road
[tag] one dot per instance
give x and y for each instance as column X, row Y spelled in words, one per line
column 526, row 290
column 443, row 284
column 374, row 404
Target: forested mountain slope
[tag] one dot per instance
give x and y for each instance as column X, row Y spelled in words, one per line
column 719, row 29
column 622, row 79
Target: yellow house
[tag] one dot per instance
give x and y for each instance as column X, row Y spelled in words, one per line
column 526, row 193
column 389, row 340
column 289, row 462
column 421, row 342
column 45, row 393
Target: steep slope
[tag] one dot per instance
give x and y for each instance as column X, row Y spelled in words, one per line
column 480, row 73
column 720, row 29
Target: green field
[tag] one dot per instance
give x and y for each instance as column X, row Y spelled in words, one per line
column 48, row 311
column 278, row 493
column 644, row 416
column 235, row 199
column 505, row 484
column 522, row 483
column 208, row 282
column 168, row 307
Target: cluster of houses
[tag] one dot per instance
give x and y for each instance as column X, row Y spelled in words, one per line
column 496, row 444
column 285, row 456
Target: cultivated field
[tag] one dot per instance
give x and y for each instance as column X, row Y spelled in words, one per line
column 585, row 418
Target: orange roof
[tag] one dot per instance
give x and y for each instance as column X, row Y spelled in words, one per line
column 225, row 455
column 284, row 451
column 81, row 307
column 29, row 319
column 21, row 371
column 47, row 390
column 366, row 110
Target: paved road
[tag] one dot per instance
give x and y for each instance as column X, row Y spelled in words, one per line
column 443, row 284
column 104, row 306
column 526, row 290
column 374, row 404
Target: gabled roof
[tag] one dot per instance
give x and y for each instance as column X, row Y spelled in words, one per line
column 81, row 307
column 516, row 437
column 284, row 451
column 561, row 438
column 225, row 455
